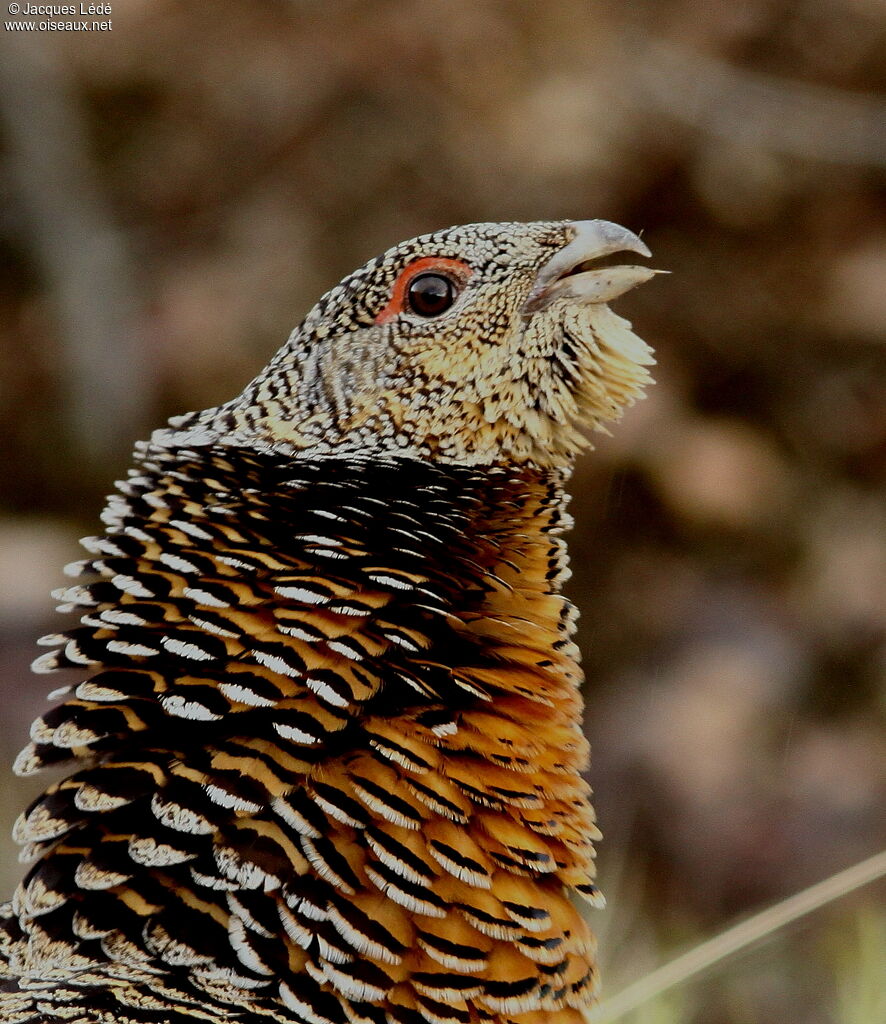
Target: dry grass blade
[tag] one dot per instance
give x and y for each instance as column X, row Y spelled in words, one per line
column 701, row 958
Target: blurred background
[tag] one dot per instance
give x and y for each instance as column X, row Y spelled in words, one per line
column 179, row 190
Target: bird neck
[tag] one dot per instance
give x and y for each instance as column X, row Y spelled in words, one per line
column 331, row 741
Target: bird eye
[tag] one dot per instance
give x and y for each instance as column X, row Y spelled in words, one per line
column 430, row 294
column 426, row 287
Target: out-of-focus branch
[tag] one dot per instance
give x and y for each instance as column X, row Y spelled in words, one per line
column 748, row 107
column 738, row 938
column 105, row 379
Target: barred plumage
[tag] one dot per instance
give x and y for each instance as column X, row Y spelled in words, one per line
column 327, row 750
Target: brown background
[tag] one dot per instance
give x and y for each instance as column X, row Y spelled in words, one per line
column 179, row 190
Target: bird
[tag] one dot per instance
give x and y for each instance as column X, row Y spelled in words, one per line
column 324, row 746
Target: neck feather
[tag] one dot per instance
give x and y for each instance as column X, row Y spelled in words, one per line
column 330, row 744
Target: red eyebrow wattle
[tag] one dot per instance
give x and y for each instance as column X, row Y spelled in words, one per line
column 424, row 265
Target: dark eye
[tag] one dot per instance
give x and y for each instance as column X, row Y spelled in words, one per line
column 430, row 294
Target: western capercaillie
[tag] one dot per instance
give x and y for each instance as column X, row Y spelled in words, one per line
column 324, row 736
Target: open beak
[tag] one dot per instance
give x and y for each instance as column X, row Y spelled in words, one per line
column 570, row 273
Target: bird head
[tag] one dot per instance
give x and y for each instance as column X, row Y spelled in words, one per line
column 481, row 344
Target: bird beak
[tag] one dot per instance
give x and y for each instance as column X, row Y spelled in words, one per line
column 569, row 275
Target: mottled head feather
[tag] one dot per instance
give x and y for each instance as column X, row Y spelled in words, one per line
column 516, row 370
